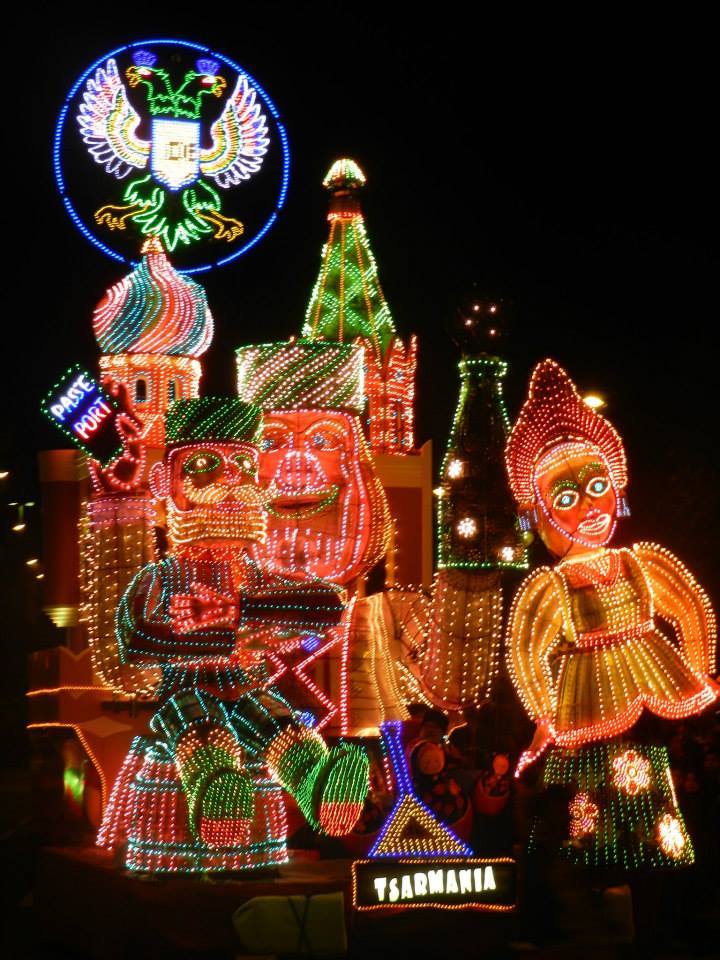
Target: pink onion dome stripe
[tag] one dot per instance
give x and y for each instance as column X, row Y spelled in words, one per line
column 154, row 310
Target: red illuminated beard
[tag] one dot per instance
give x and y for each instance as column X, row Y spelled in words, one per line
column 315, row 531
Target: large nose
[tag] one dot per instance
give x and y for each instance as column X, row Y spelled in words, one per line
column 234, row 473
column 300, row 472
column 588, row 506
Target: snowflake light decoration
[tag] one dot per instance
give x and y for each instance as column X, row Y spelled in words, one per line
column 467, row 527
column 455, row 469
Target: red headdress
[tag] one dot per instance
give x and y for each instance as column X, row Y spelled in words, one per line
column 554, row 413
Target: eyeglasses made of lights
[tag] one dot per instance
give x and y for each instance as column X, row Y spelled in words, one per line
column 203, row 462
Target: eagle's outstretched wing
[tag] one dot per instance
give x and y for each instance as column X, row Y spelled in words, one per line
column 108, row 123
column 240, row 139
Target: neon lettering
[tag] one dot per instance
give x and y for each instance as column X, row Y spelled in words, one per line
column 435, row 879
column 91, row 420
column 70, row 400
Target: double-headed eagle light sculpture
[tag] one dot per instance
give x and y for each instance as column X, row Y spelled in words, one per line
column 172, row 197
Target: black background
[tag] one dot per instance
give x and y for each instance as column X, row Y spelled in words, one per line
column 570, row 165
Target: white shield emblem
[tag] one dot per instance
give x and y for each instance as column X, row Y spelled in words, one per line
column 175, row 152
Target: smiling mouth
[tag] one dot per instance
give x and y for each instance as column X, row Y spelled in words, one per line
column 595, row 526
column 303, row 504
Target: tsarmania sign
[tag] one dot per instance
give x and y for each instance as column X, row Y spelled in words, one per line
column 462, row 883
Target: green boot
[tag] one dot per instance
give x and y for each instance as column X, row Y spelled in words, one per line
column 329, row 785
column 219, row 794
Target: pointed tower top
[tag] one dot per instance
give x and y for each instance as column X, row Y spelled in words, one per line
column 344, row 174
column 347, row 301
column 153, row 244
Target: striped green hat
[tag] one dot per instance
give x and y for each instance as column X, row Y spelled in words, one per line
column 219, row 419
column 303, row 374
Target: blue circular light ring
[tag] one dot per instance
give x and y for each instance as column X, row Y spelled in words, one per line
column 57, row 164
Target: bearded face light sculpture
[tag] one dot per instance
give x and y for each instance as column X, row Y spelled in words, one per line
column 326, row 508
column 208, row 613
column 212, row 494
column 328, row 514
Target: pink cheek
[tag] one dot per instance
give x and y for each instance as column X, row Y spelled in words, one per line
column 326, row 459
column 567, row 520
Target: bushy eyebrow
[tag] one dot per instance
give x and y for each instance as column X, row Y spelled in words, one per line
column 332, row 425
column 276, row 425
column 564, row 483
column 593, row 468
column 276, row 430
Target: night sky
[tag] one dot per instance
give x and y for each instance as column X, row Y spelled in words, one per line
column 576, row 176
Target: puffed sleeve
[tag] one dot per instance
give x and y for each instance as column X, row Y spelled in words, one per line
column 679, row 599
column 301, row 603
column 143, row 625
column 535, row 627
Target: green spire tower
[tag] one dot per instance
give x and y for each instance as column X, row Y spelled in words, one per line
column 348, row 303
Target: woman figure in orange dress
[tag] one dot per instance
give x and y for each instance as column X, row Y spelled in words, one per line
column 601, row 636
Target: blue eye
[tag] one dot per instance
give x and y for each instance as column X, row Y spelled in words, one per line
column 318, row 440
column 565, row 500
column 598, row 486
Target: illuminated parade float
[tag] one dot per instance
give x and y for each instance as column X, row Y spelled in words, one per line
column 245, row 585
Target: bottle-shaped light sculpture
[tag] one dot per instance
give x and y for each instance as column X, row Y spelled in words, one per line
column 458, row 649
column 477, row 528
